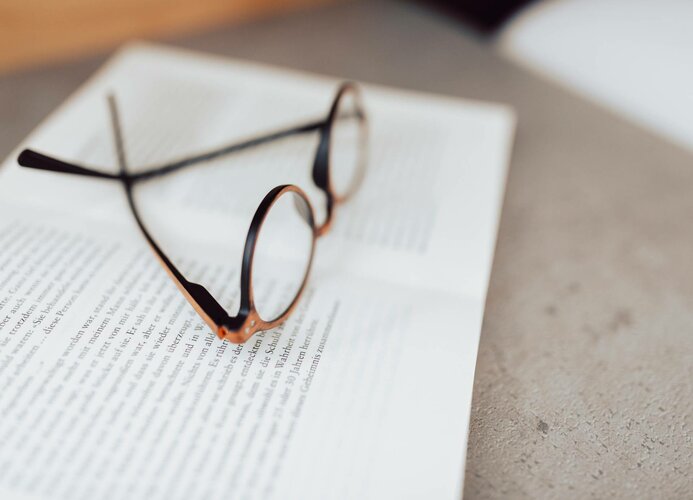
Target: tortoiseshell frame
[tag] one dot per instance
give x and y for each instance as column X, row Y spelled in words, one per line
column 238, row 328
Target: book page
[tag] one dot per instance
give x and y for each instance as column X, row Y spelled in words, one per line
column 113, row 387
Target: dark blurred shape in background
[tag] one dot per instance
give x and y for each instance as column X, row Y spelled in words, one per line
column 485, row 15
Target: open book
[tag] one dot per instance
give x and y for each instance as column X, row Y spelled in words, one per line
column 112, row 387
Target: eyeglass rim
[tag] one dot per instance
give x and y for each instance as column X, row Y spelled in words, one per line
column 322, row 163
column 252, row 321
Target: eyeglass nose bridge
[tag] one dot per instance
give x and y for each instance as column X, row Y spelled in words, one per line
column 324, row 228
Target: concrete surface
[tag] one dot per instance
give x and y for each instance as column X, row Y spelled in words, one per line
column 584, row 383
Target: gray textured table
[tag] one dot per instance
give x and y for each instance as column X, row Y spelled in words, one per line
column 584, row 382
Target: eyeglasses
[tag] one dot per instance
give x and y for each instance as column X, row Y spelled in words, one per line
column 285, row 213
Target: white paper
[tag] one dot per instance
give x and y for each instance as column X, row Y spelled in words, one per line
column 112, row 387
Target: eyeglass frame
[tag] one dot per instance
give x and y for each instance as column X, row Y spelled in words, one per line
column 240, row 327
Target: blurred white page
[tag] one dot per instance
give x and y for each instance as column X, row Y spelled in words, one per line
column 112, row 387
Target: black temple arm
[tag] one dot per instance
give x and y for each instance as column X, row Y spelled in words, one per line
column 33, row 159
column 225, row 150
